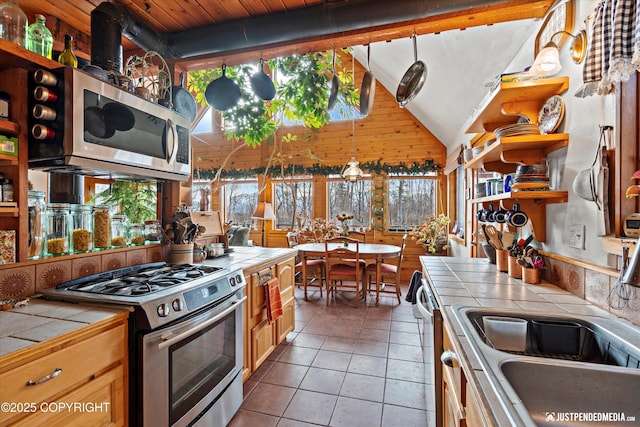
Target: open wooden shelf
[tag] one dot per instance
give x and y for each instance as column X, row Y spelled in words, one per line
column 14, row 56
column 9, row 211
column 513, row 99
column 502, row 155
column 9, row 127
column 536, row 196
column 7, row 160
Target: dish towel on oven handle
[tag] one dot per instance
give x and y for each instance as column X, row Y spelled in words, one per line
column 273, row 300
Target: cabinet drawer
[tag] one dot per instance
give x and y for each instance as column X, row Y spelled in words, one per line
column 103, row 400
column 78, row 362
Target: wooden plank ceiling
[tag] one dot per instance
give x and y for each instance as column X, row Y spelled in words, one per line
column 165, row 16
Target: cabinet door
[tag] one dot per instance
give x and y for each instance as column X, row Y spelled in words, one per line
column 263, row 342
column 286, row 272
column 246, row 363
column 100, row 402
column 286, row 322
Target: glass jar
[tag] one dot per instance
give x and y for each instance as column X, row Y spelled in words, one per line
column 37, row 208
column 39, row 38
column 13, row 23
column 101, row 227
column 57, row 229
column 81, row 228
column 118, row 231
column 136, row 234
column 152, row 231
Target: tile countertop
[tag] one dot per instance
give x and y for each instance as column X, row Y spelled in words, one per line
column 41, row 320
column 474, row 282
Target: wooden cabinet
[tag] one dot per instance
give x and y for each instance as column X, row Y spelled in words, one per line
column 83, row 368
column 262, row 337
column 506, row 105
column 460, row 402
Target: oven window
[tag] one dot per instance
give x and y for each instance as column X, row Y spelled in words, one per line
column 113, row 124
column 199, row 363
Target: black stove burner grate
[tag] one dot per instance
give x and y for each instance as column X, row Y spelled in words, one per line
column 139, row 280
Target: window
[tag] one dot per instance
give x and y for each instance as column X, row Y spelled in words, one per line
column 351, row 198
column 411, row 200
column 240, row 201
column 292, row 194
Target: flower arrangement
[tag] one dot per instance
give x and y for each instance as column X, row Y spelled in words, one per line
column 344, row 223
column 633, row 190
column 432, row 234
column 319, row 230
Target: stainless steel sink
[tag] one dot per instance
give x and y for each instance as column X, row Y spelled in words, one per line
column 570, row 364
column 552, row 390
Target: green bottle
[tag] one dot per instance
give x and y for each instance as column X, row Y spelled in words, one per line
column 67, row 57
column 39, row 38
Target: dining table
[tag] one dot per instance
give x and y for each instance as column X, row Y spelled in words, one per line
column 368, row 251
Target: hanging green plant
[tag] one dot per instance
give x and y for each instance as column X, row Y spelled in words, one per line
column 302, row 95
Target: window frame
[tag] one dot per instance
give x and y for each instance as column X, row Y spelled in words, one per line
column 282, row 181
column 435, row 177
column 337, row 178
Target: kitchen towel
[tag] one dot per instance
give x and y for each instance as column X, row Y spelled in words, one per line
column 273, row 300
column 414, row 285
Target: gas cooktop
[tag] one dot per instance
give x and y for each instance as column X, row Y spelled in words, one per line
column 139, row 280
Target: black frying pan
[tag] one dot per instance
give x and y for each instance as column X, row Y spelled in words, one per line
column 262, row 84
column 223, row 93
column 412, row 80
column 368, row 88
column 335, row 84
column 183, row 101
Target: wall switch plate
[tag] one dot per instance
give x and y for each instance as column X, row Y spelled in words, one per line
column 576, row 236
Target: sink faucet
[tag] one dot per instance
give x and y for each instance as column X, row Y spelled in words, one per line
column 631, row 275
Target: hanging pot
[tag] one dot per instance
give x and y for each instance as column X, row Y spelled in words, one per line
column 222, row 93
column 335, row 84
column 183, row 101
column 262, row 84
column 368, row 88
column 412, row 80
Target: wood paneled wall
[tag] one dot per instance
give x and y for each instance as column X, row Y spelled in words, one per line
column 389, row 134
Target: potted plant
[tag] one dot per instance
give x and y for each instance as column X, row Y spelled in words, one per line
column 432, row 234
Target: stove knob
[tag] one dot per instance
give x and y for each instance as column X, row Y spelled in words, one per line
column 163, row 310
column 239, row 278
column 177, row 304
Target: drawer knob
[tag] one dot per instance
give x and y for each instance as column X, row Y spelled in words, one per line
column 449, row 358
column 46, row 378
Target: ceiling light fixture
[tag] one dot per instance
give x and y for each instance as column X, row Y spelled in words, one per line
column 547, row 62
column 352, row 171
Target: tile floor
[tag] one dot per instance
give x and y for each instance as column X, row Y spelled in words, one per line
column 342, row 366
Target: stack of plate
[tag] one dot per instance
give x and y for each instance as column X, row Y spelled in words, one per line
column 531, row 177
column 517, row 129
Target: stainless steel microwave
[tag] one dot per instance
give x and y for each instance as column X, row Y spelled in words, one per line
column 82, row 124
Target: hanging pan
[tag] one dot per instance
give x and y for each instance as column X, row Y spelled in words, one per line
column 262, row 84
column 368, row 88
column 222, row 93
column 335, row 84
column 412, row 80
column 183, row 101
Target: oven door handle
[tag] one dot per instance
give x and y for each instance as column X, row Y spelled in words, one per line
column 171, row 338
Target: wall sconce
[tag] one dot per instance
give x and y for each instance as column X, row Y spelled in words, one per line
column 547, row 63
column 264, row 212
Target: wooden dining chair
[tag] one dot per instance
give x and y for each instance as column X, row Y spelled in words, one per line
column 314, row 268
column 389, row 275
column 343, row 269
column 358, row 235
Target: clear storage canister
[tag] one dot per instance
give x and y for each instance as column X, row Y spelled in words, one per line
column 81, row 228
column 37, row 209
column 118, row 231
column 101, row 227
column 57, row 229
column 152, row 232
column 136, row 234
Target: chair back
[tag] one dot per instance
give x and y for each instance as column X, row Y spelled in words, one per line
column 401, row 256
column 337, row 253
column 292, row 239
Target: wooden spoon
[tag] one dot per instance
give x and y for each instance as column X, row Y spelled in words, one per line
column 494, row 238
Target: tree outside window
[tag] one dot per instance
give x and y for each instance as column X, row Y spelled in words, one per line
column 411, row 201
column 240, row 201
column 351, row 198
column 292, row 198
